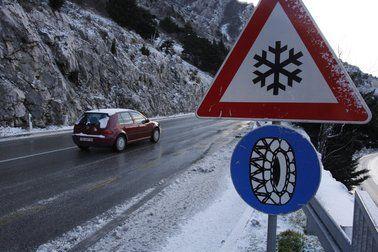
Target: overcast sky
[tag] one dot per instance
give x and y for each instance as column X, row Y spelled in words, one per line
column 351, row 27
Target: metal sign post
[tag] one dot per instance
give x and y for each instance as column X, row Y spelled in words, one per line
column 272, row 233
column 272, row 226
column 276, row 171
column 281, row 69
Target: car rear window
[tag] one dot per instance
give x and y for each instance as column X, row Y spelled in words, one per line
column 94, row 119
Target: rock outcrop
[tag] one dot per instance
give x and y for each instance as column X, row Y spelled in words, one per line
column 63, row 63
column 212, row 19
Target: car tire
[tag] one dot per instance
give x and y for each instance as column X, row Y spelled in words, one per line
column 120, row 144
column 83, row 148
column 155, row 135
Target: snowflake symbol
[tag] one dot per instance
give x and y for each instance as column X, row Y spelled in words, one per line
column 278, row 68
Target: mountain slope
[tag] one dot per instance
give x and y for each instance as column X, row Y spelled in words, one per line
column 54, row 64
column 212, row 19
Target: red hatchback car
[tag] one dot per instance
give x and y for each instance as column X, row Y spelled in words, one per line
column 113, row 128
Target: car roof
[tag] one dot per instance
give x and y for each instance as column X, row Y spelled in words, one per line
column 110, row 112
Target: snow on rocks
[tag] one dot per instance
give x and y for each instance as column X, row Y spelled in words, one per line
column 63, row 64
column 206, row 17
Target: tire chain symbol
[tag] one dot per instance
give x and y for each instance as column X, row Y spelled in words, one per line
column 273, row 171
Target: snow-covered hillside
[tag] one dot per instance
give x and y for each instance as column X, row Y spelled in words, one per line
column 365, row 82
column 62, row 63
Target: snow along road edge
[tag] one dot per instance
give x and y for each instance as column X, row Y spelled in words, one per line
column 11, row 133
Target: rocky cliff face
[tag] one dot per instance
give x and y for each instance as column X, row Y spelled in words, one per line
column 62, row 63
column 212, row 19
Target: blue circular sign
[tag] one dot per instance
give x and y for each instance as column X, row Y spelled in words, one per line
column 275, row 170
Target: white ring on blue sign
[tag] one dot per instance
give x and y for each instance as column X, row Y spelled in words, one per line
column 284, row 148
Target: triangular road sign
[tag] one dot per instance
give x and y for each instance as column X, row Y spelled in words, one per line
column 282, row 68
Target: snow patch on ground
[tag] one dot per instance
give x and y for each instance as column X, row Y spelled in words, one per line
column 229, row 224
column 371, row 155
column 14, row 131
column 370, row 161
column 373, row 167
column 160, row 217
column 200, row 211
column 336, row 200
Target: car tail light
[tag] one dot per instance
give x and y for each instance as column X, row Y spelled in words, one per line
column 107, row 132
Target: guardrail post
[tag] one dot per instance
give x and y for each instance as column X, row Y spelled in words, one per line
column 30, row 122
column 65, row 120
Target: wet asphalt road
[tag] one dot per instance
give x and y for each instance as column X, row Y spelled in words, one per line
column 48, row 186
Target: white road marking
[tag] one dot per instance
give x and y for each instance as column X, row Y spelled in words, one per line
column 73, row 147
column 28, row 135
column 37, row 154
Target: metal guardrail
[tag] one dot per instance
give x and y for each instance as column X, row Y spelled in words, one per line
column 321, row 224
column 336, row 238
column 365, row 224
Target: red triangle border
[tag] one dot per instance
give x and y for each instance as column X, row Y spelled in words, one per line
column 350, row 108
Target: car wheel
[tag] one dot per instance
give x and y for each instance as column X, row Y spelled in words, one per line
column 83, row 148
column 120, row 144
column 155, row 136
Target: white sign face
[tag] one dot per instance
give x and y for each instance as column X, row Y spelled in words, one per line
column 279, row 34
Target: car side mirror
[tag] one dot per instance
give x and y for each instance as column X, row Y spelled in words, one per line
column 146, row 121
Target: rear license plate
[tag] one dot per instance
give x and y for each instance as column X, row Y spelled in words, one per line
column 85, row 139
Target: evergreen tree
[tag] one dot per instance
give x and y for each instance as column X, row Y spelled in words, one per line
column 145, row 51
column 128, row 14
column 341, row 142
column 200, row 52
column 169, row 26
column 206, row 55
column 56, row 5
column 113, row 49
column 338, row 144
